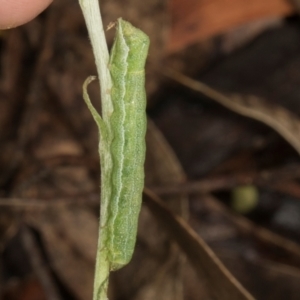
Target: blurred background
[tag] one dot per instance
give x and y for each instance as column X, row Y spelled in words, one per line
column 223, row 147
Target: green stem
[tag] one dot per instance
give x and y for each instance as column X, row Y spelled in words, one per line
column 92, row 16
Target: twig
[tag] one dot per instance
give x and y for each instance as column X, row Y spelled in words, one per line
column 92, row 16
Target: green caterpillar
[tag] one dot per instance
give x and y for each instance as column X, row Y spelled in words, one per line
column 126, row 136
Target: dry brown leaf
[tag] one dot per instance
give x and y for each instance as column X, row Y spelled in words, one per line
column 195, row 20
column 278, row 118
column 70, row 237
column 219, row 280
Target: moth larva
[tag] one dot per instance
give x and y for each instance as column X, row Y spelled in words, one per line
column 128, row 123
column 126, row 135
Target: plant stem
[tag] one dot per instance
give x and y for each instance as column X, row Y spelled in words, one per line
column 92, row 16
